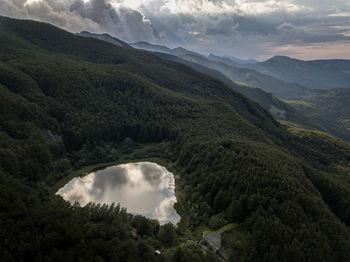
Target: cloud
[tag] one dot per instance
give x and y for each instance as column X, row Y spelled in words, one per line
column 241, row 7
column 77, row 15
column 55, row 12
column 222, row 26
column 123, row 22
column 245, row 28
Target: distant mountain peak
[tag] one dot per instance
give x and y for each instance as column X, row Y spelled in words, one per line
column 104, row 37
column 178, row 51
column 281, row 58
column 232, row 61
column 179, row 48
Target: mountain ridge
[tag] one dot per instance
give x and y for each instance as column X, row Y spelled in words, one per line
column 105, row 37
column 230, row 59
column 283, row 90
column 254, row 94
column 314, row 74
column 160, row 48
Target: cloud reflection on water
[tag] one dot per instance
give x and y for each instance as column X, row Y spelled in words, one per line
column 143, row 188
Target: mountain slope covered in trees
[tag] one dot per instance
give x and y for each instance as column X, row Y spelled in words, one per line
column 330, row 108
column 267, row 100
column 251, row 77
column 67, row 101
column 239, row 71
column 262, row 88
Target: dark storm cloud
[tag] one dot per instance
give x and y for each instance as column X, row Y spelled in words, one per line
column 222, row 26
column 173, row 28
column 123, row 22
column 95, row 15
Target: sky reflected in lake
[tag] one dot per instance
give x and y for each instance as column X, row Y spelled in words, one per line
column 143, row 188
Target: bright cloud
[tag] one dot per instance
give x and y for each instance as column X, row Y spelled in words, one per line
column 245, row 28
column 242, row 7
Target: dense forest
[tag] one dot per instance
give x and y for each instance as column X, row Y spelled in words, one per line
column 329, row 108
column 67, row 101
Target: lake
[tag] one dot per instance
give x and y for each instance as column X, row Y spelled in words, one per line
column 143, row 188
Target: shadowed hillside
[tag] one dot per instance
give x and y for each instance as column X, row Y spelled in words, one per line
column 236, row 163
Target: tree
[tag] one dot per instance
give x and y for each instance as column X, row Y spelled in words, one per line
column 235, row 212
column 167, row 234
column 142, row 225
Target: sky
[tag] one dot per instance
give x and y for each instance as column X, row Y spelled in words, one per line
column 304, row 29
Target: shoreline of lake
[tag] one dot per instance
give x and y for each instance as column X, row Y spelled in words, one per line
column 144, row 188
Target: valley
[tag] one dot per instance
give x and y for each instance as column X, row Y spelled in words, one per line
column 285, row 188
column 287, row 85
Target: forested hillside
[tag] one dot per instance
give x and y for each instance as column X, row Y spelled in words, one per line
column 277, row 107
column 67, row 101
column 329, row 108
column 229, row 75
column 277, row 78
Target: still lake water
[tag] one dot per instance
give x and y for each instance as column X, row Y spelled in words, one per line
column 143, row 188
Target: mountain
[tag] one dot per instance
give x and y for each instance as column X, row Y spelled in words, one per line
column 317, row 74
column 227, row 74
column 222, row 71
column 284, row 189
column 267, row 100
column 178, row 51
column 294, row 110
column 330, row 108
column 162, row 49
column 242, row 61
column 104, row 37
column 151, row 47
column 230, row 60
column 252, row 78
column 181, row 51
column 224, row 60
column 326, row 110
column 235, row 70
